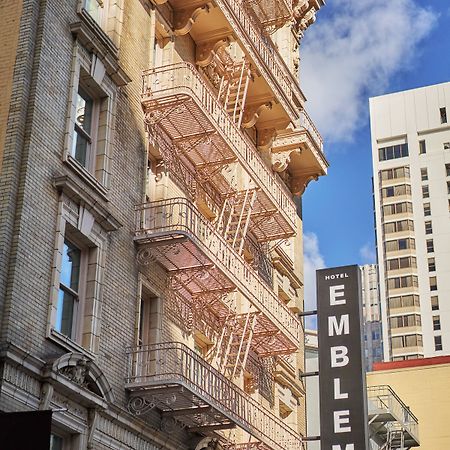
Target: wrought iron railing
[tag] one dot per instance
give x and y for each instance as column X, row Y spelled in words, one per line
column 384, row 398
column 180, row 215
column 175, row 363
column 270, row 13
column 181, row 78
column 307, row 123
column 260, row 47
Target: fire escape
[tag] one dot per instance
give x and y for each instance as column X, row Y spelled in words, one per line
column 214, row 246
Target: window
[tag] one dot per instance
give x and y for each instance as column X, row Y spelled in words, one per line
column 403, row 301
column 434, row 303
column 393, row 152
column 410, row 320
column 400, row 244
column 56, row 442
column 401, row 225
column 97, row 10
column 397, row 172
column 428, row 227
column 438, row 343
column 436, row 323
column 422, row 147
column 411, row 340
column 403, row 282
column 431, row 265
column 68, row 305
column 425, row 191
column 430, row 246
column 446, row 145
column 443, row 114
column 427, row 209
column 447, row 170
column 391, row 191
column 397, row 208
column 401, row 263
column 448, row 187
column 424, row 174
column 90, row 121
column 433, row 284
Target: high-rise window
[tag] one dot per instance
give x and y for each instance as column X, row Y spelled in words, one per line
column 436, row 323
column 443, row 113
column 424, row 173
column 434, row 303
column 448, row 187
column 431, row 265
column 400, row 225
column 430, row 246
column 425, row 191
column 397, row 208
column 428, row 227
column 433, row 283
column 447, row 170
column 84, row 126
column 393, row 191
column 393, row 152
column 438, row 343
column 446, row 145
column 397, row 172
column 422, row 147
column 427, row 209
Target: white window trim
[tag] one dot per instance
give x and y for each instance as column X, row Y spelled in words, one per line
column 98, row 174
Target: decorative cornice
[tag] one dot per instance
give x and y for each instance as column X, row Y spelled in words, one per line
column 74, row 189
column 93, row 38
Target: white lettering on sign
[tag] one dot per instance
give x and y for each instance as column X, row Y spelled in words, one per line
column 342, row 418
column 347, row 447
column 339, row 356
column 338, row 395
column 343, row 327
column 334, row 294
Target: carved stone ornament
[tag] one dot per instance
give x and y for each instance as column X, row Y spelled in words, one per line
column 145, row 256
column 281, row 160
column 77, row 373
column 206, row 52
column 184, row 19
column 252, row 113
column 265, row 138
column 298, row 183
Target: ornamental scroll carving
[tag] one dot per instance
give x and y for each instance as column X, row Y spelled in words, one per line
column 185, row 19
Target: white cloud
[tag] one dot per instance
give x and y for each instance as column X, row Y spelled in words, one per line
column 354, row 53
column 367, row 253
column 313, row 260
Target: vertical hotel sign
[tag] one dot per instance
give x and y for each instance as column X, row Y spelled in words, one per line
column 343, row 409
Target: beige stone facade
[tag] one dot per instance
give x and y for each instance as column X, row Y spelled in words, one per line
column 153, row 157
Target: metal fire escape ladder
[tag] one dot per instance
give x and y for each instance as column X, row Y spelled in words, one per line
column 236, row 91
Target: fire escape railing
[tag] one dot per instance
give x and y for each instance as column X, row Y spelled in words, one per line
column 263, row 52
column 174, row 363
column 384, row 398
column 183, row 77
column 180, row 215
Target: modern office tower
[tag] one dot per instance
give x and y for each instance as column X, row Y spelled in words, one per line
column 373, row 345
column 151, row 233
column 411, row 160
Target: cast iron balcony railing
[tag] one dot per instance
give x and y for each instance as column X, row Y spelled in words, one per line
column 385, row 406
column 167, row 220
column 271, row 13
column 183, row 386
column 165, row 89
column 260, row 47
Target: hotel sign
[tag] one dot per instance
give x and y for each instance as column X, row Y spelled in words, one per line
column 343, row 409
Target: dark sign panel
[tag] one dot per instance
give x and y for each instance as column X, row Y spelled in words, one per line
column 25, row 430
column 343, row 417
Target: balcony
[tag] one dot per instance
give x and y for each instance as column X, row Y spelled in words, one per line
column 271, row 13
column 388, row 415
column 186, row 119
column 173, row 379
column 180, row 238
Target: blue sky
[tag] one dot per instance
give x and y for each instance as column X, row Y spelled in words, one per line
column 358, row 49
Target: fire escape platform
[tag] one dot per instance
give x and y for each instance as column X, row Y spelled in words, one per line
column 180, row 106
column 388, row 414
column 176, row 235
column 183, row 387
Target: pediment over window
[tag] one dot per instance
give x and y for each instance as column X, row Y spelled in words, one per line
column 76, row 369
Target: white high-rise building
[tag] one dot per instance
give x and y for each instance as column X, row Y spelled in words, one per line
column 411, row 159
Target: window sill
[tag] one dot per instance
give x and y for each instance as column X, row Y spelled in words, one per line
column 68, row 344
column 87, row 177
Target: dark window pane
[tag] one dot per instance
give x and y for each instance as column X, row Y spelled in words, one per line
column 64, row 314
column 70, row 266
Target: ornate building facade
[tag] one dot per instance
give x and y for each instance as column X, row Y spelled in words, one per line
column 153, row 155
